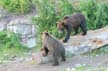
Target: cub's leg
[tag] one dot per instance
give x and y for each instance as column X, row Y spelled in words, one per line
column 68, row 30
column 55, row 56
column 76, row 30
column 63, row 58
column 84, row 28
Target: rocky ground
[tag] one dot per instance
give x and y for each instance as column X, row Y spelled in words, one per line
column 93, row 62
column 20, row 24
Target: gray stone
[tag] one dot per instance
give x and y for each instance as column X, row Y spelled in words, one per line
column 21, row 25
column 25, row 29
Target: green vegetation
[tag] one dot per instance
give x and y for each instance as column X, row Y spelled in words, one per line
column 87, row 68
column 102, row 50
column 10, row 45
column 50, row 12
column 16, row 6
column 9, row 40
column 96, row 13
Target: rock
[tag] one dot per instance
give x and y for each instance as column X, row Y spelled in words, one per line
column 25, row 29
column 39, row 59
column 21, row 25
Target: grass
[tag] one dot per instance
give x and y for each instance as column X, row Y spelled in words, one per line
column 87, row 68
column 99, row 51
column 7, row 53
column 16, row 6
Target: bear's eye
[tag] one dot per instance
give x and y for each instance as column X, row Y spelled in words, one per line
column 47, row 34
column 63, row 23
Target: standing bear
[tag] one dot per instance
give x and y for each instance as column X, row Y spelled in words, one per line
column 72, row 22
column 51, row 45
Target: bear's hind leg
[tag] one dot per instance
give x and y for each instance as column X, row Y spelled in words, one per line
column 56, row 63
column 83, row 27
column 76, row 31
column 63, row 58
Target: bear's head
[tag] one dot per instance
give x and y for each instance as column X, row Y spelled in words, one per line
column 61, row 26
column 44, row 34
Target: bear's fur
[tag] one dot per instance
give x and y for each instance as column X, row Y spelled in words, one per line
column 54, row 46
column 72, row 22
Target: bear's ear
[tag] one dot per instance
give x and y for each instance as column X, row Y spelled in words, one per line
column 47, row 33
column 64, row 22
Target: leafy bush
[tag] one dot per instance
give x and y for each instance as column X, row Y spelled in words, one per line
column 96, row 13
column 11, row 47
column 50, row 12
column 9, row 40
column 17, row 6
column 100, row 51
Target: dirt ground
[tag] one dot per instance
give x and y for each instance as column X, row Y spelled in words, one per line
column 101, row 60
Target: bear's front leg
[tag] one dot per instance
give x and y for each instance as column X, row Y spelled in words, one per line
column 68, row 30
column 55, row 56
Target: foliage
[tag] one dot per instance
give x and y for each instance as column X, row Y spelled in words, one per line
column 50, row 12
column 96, row 13
column 9, row 40
column 17, row 6
column 10, row 46
column 100, row 51
column 87, row 68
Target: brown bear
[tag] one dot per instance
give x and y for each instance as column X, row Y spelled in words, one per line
column 51, row 45
column 72, row 22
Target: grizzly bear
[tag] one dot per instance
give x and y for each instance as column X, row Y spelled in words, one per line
column 72, row 22
column 51, row 45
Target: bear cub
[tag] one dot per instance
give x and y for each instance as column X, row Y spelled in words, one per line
column 72, row 22
column 53, row 46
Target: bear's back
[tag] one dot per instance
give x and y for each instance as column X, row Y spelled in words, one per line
column 53, row 43
column 75, row 19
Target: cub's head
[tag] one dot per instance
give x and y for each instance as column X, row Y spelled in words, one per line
column 61, row 26
column 44, row 35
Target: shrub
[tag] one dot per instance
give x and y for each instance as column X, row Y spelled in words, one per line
column 50, row 12
column 17, row 6
column 96, row 13
column 9, row 39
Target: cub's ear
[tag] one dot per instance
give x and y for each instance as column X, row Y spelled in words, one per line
column 47, row 33
column 63, row 23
